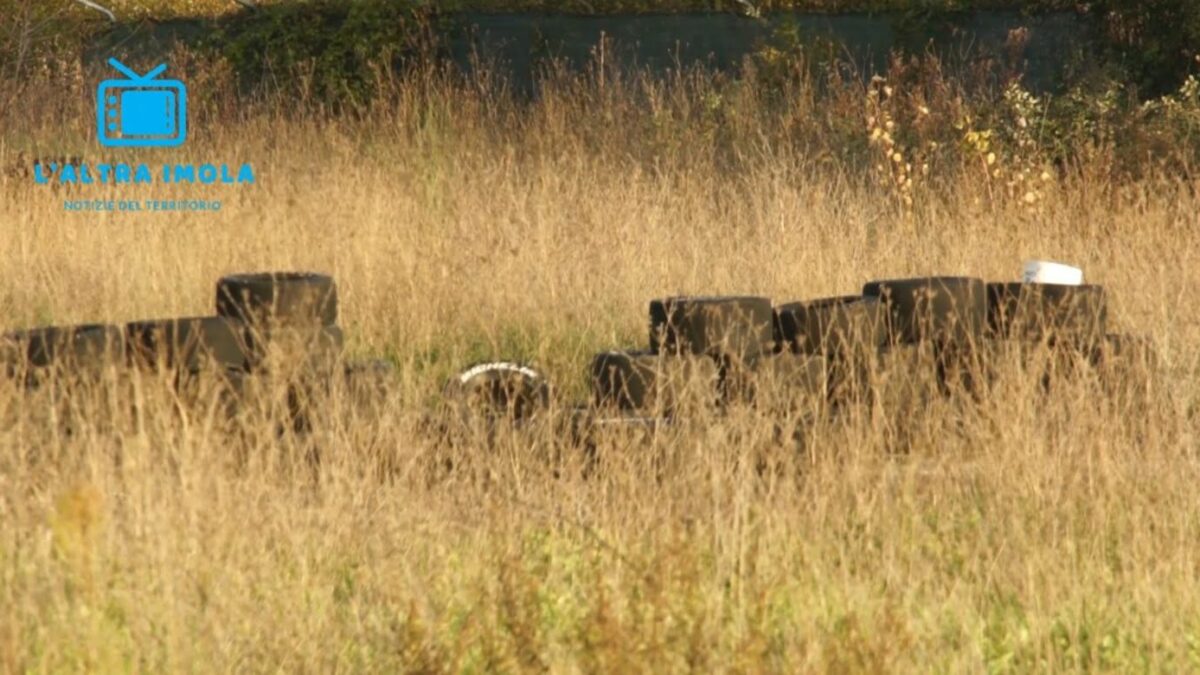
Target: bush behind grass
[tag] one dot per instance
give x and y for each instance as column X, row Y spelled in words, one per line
column 1152, row 44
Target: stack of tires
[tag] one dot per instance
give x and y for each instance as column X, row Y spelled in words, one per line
column 927, row 336
column 847, row 331
column 896, row 345
column 704, row 354
column 32, row 355
column 282, row 323
column 935, row 330
column 289, row 331
column 944, row 330
column 1071, row 323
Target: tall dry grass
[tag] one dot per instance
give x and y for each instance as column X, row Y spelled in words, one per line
column 1018, row 532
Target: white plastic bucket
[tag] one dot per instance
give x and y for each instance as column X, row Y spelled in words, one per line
column 1047, row 272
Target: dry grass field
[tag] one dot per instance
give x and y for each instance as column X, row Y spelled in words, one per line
column 1015, row 532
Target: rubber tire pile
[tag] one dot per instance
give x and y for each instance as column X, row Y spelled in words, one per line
column 281, row 323
column 950, row 328
column 704, row 355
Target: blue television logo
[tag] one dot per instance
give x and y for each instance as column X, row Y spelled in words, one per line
column 141, row 111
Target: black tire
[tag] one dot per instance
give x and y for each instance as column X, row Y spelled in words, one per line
column 658, row 322
column 832, row 327
column 312, row 376
column 64, row 346
column 948, row 311
column 188, row 344
column 624, row 380
column 1074, row 316
column 738, row 329
column 271, row 298
column 302, row 361
column 848, row 330
column 659, row 383
column 496, row 391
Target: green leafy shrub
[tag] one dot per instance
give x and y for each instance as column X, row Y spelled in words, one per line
column 1156, row 41
column 327, row 50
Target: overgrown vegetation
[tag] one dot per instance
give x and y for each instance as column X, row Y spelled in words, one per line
column 327, row 50
column 939, row 119
column 1019, row 531
column 161, row 9
column 336, row 43
column 1155, row 42
column 1024, row 530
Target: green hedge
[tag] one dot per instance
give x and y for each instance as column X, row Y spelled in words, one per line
column 666, row 6
column 331, row 47
column 1156, row 42
column 1153, row 44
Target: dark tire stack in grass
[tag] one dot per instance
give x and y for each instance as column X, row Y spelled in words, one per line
column 36, row 354
column 705, row 354
column 643, row 382
column 69, row 364
column 948, row 314
column 892, row 348
column 280, row 326
column 847, row 331
column 1073, row 317
column 289, row 329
